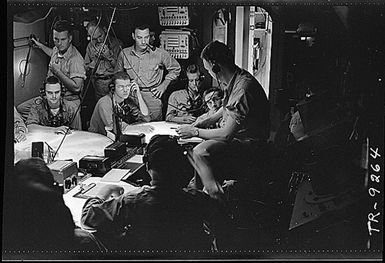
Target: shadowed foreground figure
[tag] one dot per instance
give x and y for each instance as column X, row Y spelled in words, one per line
column 37, row 223
column 162, row 216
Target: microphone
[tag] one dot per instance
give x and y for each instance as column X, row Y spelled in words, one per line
column 151, row 47
column 117, row 128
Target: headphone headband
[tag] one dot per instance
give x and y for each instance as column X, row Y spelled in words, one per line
column 42, row 89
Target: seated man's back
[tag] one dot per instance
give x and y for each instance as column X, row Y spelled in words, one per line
column 166, row 220
column 162, row 216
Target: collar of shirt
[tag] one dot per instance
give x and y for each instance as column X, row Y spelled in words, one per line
column 66, row 55
column 133, row 52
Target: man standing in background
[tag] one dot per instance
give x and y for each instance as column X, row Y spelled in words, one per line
column 66, row 63
column 145, row 64
column 108, row 56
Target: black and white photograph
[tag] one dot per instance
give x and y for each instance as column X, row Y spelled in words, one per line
column 193, row 130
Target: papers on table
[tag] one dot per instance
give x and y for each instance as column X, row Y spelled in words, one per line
column 160, row 127
column 115, row 175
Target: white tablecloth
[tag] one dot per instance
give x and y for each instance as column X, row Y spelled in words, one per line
column 75, row 146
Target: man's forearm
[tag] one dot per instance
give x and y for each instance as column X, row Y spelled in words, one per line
column 142, row 104
column 46, row 49
column 69, row 83
column 37, row 127
column 166, row 83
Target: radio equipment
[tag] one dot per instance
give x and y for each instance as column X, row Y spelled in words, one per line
column 37, row 149
column 135, row 140
column 65, row 174
column 97, row 165
column 173, row 16
column 115, row 150
column 176, row 42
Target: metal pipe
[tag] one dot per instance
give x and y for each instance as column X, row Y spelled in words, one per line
column 20, row 39
column 25, row 45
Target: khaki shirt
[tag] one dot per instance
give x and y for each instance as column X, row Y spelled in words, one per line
column 107, row 64
column 40, row 114
column 103, row 115
column 149, row 66
column 71, row 64
column 180, row 104
column 246, row 102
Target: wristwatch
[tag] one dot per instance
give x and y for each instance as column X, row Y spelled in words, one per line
column 196, row 133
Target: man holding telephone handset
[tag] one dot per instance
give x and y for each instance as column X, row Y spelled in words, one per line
column 126, row 102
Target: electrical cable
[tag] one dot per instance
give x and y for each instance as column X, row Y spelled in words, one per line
column 87, row 86
column 40, row 19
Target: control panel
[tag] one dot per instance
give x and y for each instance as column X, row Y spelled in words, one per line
column 176, row 42
column 173, row 16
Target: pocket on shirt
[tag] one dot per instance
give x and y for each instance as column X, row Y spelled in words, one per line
column 153, row 70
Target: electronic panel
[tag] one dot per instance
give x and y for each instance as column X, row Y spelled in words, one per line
column 173, row 16
column 176, row 42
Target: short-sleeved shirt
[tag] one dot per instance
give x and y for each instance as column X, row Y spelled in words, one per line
column 106, row 65
column 180, row 104
column 41, row 114
column 149, row 66
column 71, row 64
column 206, row 115
column 246, row 102
column 103, row 114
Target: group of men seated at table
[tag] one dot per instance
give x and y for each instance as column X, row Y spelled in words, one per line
column 235, row 127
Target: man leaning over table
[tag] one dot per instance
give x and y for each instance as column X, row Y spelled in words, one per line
column 244, row 128
column 52, row 112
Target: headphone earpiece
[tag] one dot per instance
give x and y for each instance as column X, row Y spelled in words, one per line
column 112, row 86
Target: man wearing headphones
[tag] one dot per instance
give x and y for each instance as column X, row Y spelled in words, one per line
column 66, row 63
column 213, row 101
column 244, row 127
column 124, row 101
column 161, row 215
column 146, row 64
column 108, row 56
column 52, row 112
column 186, row 104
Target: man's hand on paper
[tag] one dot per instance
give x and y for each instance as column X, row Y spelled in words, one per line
column 110, row 191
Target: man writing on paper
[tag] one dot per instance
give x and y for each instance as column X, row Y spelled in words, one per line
column 244, row 127
column 52, row 112
column 125, row 101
